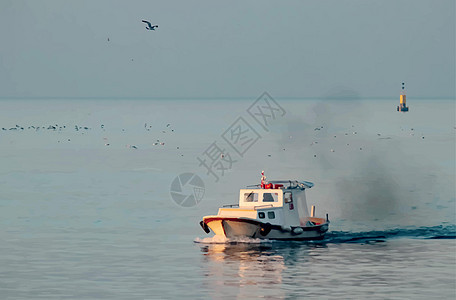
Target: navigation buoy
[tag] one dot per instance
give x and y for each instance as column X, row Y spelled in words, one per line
column 402, row 105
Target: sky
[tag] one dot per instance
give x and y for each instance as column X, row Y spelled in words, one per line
column 227, row 49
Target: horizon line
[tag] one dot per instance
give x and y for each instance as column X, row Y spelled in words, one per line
column 217, row 98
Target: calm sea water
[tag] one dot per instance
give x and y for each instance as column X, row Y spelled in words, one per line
column 85, row 215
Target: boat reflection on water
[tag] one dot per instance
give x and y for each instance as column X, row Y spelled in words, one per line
column 252, row 269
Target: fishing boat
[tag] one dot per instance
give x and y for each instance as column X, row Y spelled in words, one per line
column 274, row 210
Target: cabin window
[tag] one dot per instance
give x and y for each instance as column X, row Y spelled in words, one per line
column 271, row 215
column 287, row 197
column 251, row 197
column 261, row 215
column 270, row 197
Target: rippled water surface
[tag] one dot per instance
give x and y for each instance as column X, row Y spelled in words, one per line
column 84, row 215
column 143, row 264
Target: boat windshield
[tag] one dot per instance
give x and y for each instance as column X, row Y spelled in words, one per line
column 251, row 197
column 270, row 197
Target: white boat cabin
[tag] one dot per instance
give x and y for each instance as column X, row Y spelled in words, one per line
column 278, row 203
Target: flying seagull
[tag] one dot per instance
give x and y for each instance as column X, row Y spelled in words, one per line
column 150, row 26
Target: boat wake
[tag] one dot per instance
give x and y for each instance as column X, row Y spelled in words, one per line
column 434, row 232
column 341, row 237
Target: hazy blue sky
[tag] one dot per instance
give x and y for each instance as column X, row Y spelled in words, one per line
column 227, row 48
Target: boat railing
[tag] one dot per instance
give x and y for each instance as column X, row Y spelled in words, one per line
column 292, row 184
column 263, row 206
column 231, row 205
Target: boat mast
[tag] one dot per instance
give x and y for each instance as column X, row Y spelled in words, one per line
column 262, row 180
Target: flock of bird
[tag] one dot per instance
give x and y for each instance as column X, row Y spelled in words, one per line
column 82, row 130
column 168, row 129
column 319, row 128
column 379, row 136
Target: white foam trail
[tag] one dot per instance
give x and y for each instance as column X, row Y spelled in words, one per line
column 217, row 239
